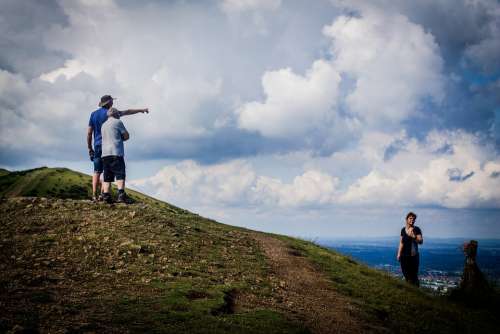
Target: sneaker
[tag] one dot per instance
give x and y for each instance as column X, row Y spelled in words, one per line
column 106, row 197
column 123, row 198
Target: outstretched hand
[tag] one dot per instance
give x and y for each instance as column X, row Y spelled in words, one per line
column 145, row 111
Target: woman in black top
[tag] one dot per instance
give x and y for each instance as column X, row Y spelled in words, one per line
column 411, row 237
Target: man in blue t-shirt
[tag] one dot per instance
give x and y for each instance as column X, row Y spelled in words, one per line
column 97, row 118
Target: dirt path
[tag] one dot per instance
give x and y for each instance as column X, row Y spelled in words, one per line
column 306, row 293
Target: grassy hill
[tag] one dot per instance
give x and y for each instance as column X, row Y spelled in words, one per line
column 60, row 183
column 73, row 266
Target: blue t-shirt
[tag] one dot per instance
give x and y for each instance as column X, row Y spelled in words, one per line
column 95, row 122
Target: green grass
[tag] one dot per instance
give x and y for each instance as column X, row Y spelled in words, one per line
column 60, row 183
column 183, row 308
column 4, row 172
column 392, row 302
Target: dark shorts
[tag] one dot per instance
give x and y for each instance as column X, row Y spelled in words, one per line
column 114, row 168
column 97, row 159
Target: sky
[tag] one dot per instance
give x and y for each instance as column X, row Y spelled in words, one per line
column 316, row 119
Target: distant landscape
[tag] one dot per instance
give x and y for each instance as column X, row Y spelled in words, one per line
column 441, row 260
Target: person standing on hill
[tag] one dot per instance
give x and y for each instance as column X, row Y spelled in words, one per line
column 408, row 256
column 114, row 134
column 97, row 118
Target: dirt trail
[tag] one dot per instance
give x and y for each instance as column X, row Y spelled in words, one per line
column 307, row 294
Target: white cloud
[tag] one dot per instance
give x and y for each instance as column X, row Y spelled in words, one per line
column 382, row 69
column 311, row 189
column 236, row 6
column 421, row 174
column 447, row 169
column 393, row 61
column 236, row 184
column 294, row 104
column 70, row 69
column 189, row 182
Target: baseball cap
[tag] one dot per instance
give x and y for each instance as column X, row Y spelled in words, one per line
column 105, row 100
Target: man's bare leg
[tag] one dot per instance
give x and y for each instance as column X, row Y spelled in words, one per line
column 106, row 186
column 120, row 184
column 106, row 196
column 96, row 179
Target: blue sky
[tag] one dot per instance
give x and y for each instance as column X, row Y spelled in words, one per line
column 315, row 119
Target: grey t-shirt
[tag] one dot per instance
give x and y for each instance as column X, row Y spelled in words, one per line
column 112, row 141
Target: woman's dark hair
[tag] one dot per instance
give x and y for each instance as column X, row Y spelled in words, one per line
column 411, row 214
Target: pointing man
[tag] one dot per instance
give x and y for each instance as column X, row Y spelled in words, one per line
column 97, row 118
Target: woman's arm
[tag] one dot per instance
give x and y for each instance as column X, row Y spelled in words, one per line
column 400, row 248
column 418, row 237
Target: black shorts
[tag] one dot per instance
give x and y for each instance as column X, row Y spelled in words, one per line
column 114, row 167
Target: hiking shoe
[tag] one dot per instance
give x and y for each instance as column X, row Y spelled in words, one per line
column 123, row 198
column 96, row 199
column 106, row 197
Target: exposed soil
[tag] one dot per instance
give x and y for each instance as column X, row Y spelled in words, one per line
column 305, row 293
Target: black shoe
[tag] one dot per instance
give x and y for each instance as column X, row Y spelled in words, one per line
column 106, row 197
column 123, row 198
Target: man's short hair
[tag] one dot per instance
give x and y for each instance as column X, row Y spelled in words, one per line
column 113, row 112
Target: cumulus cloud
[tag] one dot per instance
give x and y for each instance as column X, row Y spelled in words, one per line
column 382, row 68
column 394, row 62
column 232, row 6
column 294, row 104
column 465, row 30
column 423, row 174
column 420, row 174
column 237, row 184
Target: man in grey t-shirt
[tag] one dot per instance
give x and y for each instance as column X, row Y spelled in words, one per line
column 114, row 134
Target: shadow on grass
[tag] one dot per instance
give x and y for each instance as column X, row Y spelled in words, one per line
column 182, row 308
